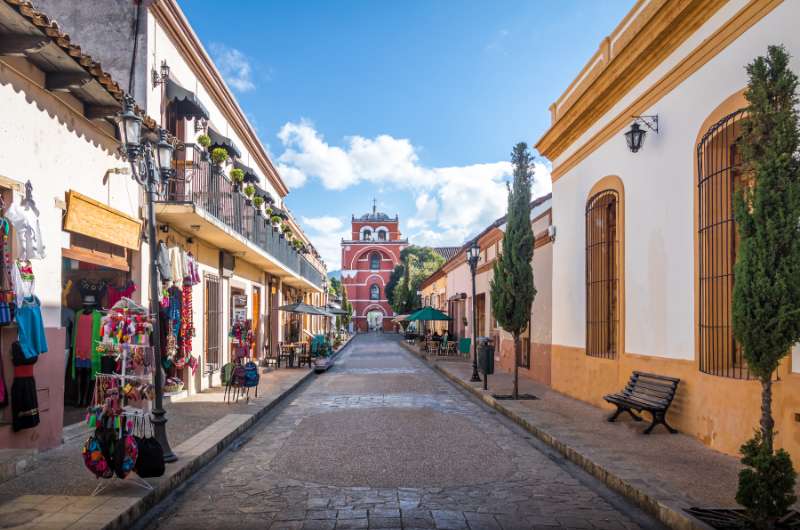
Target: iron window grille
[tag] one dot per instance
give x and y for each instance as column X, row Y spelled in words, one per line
column 720, row 176
column 602, row 275
column 212, row 322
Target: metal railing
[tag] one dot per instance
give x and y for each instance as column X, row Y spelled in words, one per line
column 197, row 181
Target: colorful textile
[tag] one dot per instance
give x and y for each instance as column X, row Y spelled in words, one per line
column 30, row 329
column 114, row 295
column 186, row 318
column 82, row 342
column 24, row 402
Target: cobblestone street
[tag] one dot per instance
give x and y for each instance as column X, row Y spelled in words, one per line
column 381, row 441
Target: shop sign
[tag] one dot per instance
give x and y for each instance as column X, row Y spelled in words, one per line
column 94, row 219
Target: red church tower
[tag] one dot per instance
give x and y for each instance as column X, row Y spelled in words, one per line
column 368, row 258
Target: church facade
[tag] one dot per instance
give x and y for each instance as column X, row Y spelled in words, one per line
column 368, row 258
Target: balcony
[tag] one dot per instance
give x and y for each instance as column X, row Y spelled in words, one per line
column 201, row 202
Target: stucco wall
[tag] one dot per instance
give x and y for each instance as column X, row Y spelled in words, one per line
column 659, row 198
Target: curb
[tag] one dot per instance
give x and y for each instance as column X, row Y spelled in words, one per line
column 668, row 513
column 164, row 488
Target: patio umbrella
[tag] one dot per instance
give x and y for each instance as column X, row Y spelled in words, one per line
column 300, row 307
column 427, row 314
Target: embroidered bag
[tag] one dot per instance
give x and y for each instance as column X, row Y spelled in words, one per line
column 251, row 375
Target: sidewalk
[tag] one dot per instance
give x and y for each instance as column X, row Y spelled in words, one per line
column 662, row 473
column 56, row 494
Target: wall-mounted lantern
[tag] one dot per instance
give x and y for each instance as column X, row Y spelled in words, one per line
column 635, row 135
column 160, row 76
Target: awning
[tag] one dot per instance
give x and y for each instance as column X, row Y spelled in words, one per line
column 335, row 310
column 185, row 101
column 217, row 140
column 250, row 174
column 302, row 308
column 280, row 213
column 265, row 194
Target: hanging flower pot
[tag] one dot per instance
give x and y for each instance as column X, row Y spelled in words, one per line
column 276, row 222
column 204, row 141
column 219, row 156
column 237, row 178
column 258, row 202
column 249, row 191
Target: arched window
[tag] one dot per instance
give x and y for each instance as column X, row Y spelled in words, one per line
column 374, row 292
column 375, row 261
column 366, row 235
column 602, row 275
column 381, row 235
column 719, row 176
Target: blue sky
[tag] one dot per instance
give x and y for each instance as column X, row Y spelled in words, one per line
column 416, row 103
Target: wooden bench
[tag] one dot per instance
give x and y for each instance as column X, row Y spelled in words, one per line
column 646, row 392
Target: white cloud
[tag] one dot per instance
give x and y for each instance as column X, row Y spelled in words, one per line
column 326, row 223
column 326, row 233
column 452, row 203
column 234, row 66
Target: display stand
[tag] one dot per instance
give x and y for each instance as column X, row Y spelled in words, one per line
column 141, row 382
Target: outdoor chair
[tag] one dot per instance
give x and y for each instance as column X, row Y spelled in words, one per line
column 270, row 359
column 464, row 346
column 286, row 355
column 304, row 356
column 433, row 347
column 448, row 347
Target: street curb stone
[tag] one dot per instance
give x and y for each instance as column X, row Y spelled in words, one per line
column 666, row 511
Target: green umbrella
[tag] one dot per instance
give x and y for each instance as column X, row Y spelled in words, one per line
column 427, row 313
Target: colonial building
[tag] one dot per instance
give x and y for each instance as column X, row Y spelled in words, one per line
column 368, row 258
column 449, row 289
column 247, row 266
column 643, row 264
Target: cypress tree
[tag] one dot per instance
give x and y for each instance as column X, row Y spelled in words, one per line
column 512, row 283
column 766, row 294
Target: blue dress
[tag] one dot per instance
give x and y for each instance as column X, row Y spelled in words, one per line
column 30, row 328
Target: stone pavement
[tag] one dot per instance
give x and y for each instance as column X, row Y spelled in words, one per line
column 381, row 441
column 663, row 473
column 57, row 492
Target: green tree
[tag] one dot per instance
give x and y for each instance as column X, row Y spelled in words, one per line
column 346, row 306
column 512, row 283
column 766, row 293
column 417, row 264
column 397, row 274
column 335, row 287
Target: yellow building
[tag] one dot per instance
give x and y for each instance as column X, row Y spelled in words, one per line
column 643, row 264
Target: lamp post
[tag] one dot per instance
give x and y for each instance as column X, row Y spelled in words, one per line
column 473, row 255
column 151, row 164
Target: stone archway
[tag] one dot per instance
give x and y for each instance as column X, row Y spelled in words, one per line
column 375, row 320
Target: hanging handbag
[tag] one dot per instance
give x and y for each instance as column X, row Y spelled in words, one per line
column 150, row 462
column 126, row 452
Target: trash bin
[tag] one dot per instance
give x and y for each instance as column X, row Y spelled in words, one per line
column 485, row 355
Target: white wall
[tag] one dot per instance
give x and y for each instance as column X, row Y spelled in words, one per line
column 659, row 198
column 46, row 140
column 159, row 48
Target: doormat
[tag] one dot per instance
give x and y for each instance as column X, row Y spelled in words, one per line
column 736, row 519
column 508, row 396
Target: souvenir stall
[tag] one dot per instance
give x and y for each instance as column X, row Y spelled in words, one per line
column 241, row 373
column 88, row 290
column 122, row 399
column 179, row 272
column 20, row 311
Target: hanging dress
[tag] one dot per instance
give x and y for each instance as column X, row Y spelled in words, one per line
column 30, row 329
column 24, row 403
column 114, row 295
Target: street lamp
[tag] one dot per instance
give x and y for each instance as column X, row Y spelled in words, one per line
column 473, row 255
column 151, row 164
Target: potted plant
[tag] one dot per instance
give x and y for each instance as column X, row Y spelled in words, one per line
column 237, row 177
column 276, row 222
column 258, row 202
column 204, row 141
column 219, row 156
column 249, row 191
column 287, row 232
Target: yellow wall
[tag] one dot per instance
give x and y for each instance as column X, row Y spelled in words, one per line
column 720, row 411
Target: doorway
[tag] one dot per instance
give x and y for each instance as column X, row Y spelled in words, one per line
column 374, row 320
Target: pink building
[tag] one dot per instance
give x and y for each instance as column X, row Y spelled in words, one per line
column 368, row 258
